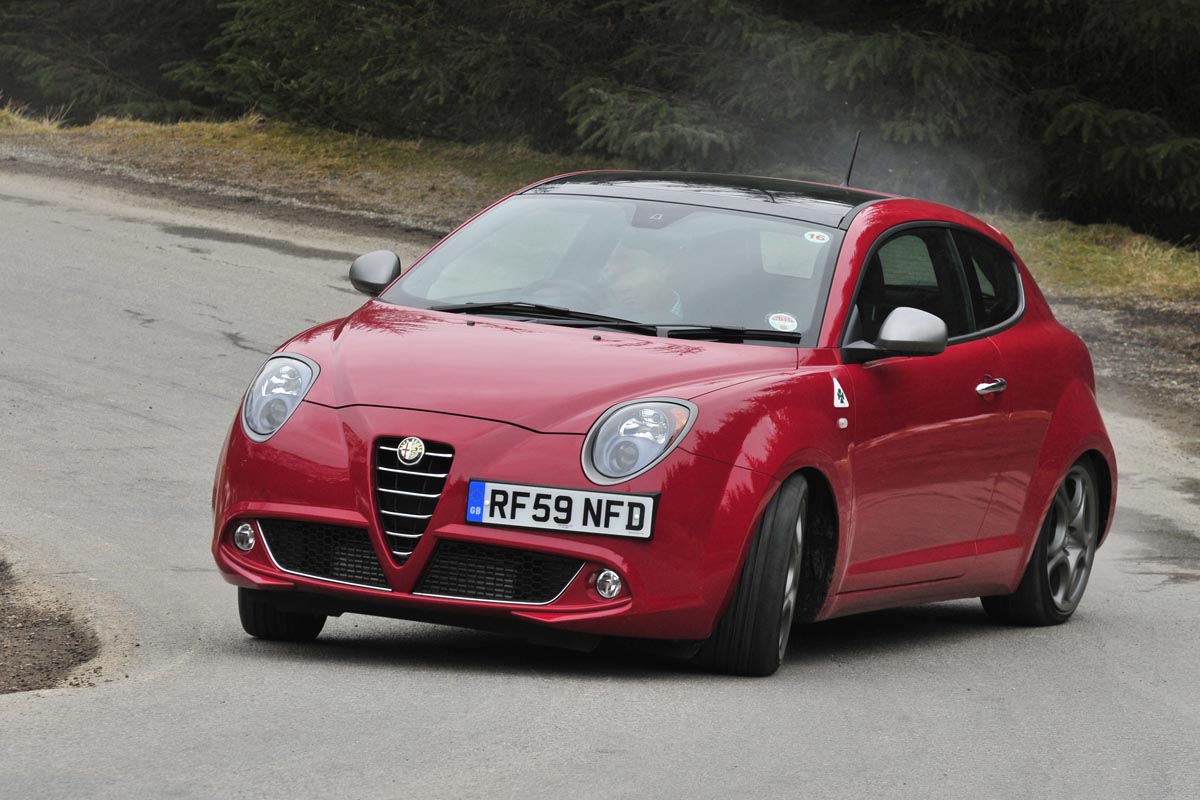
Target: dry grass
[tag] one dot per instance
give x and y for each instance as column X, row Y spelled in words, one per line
column 328, row 155
column 437, row 184
column 17, row 119
column 1108, row 261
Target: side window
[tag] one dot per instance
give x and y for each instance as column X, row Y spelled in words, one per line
column 913, row 268
column 907, row 262
column 991, row 277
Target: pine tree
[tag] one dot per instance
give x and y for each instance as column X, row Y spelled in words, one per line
column 89, row 57
column 1084, row 107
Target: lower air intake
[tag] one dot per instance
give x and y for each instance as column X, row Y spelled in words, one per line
column 328, row 552
column 499, row 574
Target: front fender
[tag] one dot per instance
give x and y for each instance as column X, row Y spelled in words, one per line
column 777, row 426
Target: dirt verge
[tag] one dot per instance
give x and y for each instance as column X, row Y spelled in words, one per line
column 1147, row 357
column 205, row 194
column 41, row 643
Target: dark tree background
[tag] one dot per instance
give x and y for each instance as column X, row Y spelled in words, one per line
column 1085, row 108
column 83, row 58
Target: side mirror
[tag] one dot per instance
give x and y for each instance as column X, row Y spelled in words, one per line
column 912, row 332
column 905, row 332
column 373, row 272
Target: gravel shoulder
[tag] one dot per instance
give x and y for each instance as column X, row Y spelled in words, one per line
column 1146, row 354
column 1146, row 351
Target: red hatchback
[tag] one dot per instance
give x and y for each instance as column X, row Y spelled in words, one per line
column 682, row 407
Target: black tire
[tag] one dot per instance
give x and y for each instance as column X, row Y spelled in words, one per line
column 262, row 619
column 751, row 636
column 1045, row 595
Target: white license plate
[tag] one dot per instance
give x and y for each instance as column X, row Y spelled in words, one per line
column 569, row 510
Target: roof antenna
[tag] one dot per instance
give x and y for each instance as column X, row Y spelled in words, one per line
column 854, row 155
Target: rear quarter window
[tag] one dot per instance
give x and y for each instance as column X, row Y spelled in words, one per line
column 991, row 277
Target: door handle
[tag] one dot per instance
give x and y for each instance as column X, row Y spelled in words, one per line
column 991, row 385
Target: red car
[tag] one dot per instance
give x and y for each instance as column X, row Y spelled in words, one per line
column 682, row 407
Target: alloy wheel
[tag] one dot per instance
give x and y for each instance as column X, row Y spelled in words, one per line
column 1071, row 545
column 791, row 589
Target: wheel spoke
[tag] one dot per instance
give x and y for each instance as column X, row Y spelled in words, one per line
column 1087, row 530
column 1058, row 574
column 1076, row 506
column 791, row 588
column 1058, row 562
column 1075, row 563
column 1059, row 510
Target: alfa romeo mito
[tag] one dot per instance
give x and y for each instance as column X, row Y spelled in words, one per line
column 691, row 408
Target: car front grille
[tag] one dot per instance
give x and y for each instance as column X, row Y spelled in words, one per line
column 327, row 552
column 407, row 494
column 499, row 574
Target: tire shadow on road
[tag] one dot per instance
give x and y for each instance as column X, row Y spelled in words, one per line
column 420, row 646
column 460, row 650
column 895, row 631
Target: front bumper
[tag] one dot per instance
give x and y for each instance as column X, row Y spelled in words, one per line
column 320, row 468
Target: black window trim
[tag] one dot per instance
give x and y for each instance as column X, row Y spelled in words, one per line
column 888, row 234
column 962, row 266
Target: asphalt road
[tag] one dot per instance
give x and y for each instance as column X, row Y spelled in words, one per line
column 128, row 330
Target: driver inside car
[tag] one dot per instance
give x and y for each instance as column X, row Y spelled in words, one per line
column 636, row 281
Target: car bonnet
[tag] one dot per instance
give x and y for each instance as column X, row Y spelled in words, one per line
column 539, row 376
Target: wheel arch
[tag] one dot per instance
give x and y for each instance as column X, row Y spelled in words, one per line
column 1077, row 432
column 1106, row 486
column 783, row 427
column 821, row 544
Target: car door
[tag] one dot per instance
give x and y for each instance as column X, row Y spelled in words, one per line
column 926, row 429
column 995, row 287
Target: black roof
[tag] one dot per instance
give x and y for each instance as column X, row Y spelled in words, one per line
column 811, row 202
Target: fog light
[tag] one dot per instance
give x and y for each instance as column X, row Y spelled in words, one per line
column 243, row 538
column 608, row 584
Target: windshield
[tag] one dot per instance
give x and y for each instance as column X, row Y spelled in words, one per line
column 644, row 261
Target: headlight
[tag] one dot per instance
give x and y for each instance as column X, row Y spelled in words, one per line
column 632, row 437
column 276, row 392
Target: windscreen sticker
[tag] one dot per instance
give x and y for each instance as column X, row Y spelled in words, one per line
column 782, row 322
column 839, row 396
column 817, row 237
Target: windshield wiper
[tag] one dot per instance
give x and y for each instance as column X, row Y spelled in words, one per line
column 546, row 313
column 726, row 333
column 673, row 330
column 503, row 307
column 558, row 315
